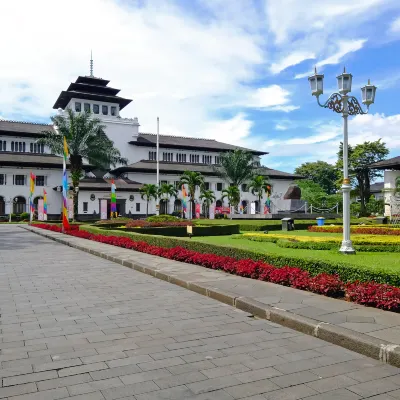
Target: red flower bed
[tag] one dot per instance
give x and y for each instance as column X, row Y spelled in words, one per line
column 368, row 293
column 367, row 230
column 146, row 224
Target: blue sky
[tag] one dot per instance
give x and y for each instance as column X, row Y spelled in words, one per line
column 235, row 71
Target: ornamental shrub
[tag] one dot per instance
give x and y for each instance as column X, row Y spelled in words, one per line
column 163, row 218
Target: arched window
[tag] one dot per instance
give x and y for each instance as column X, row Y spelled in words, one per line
column 31, row 147
column 178, row 205
column 19, row 205
column 42, row 148
column 2, row 206
column 12, row 146
column 23, row 147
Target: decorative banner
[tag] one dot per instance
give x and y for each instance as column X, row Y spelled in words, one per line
column 40, row 210
column 32, row 189
column 103, row 209
column 198, row 210
column 212, row 211
column 267, row 205
column 241, row 209
column 113, row 200
column 65, row 221
column 44, row 205
column 252, row 207
column 70, row 208
column 184, row 202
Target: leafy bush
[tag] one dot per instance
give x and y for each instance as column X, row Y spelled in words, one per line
column 345, row 270
column 24, row 215
column 163, row 218
column 369, row 293
column 139, row 223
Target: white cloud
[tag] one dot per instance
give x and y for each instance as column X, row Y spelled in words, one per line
column 281, row 127
column 395, row 26
column 290, row 61
column 171, row 63
column 272, row 97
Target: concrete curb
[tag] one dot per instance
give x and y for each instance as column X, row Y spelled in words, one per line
column 358, row 342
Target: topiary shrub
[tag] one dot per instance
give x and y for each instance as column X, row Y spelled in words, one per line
column 163, row 218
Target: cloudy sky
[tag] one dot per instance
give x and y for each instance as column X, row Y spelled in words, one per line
column 235, row 71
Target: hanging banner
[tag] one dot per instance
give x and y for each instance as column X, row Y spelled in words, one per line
column 241, row 209
column 44, row 205
column 41, row 210
column 212, row 211
column 267, row 205
column 252, row 207
column 184, row 202
column 32, row 189
column 198, row 211
column 65, row 187
column 103, row 209
column 70, row 208
column 114, row 213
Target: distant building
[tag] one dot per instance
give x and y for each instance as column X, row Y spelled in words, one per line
column 20, row 154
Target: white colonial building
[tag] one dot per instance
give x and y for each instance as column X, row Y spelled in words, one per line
column 20, row 155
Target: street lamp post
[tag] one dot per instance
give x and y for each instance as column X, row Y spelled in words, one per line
column 346, row 105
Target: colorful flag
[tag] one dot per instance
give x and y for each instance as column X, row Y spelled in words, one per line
column 65, row 188
column 32, row 189
column 267, row 205
column 44, row 205
column 184, row 200
column 113, row 200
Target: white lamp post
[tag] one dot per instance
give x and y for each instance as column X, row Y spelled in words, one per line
column 346, row 105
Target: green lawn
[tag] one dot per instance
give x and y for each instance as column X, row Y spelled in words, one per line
column 383, row 261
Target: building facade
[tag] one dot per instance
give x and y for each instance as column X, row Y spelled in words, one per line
column 20, row 155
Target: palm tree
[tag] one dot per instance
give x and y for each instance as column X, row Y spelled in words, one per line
column 149, row 191
column 232, row 194
column 165, row 191
column 193, row 180
column 208, row 197
column 86, row 140
column 258, row 185
column 236, row 167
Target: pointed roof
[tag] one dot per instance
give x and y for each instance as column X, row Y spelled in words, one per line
column 90, row 88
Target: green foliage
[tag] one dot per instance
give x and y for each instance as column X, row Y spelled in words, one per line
column 208, row 197
column 232, row 193
column 346, row 271
column 163, row 218
column 258, row 185
column 236, row 167
column 321, row 173
column 148, row 191
column 24, row 215
column 376, row 207
column 193, row 180
column 361, row 157
column 166, row 190
column 314, row 194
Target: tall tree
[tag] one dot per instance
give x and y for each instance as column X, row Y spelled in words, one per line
column 165, row 191
column 258, row 185
column 361, row 157
column 193, row 180
column 148, row 192
column 208, row 197
column 86, row 140
column 236, row 167
column 232, row 193
column 320, row 172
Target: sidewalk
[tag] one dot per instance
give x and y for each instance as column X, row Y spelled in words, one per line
column 372, row 332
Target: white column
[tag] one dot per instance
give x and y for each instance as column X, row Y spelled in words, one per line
column 347, row 246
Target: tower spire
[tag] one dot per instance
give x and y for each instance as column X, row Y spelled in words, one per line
column 91, row 63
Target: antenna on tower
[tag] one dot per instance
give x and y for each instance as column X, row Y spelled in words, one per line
column 91, row 63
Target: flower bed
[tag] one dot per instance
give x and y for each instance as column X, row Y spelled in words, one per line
column 369, row 293
column 363, row 230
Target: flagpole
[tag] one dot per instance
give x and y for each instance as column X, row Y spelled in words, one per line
column 158, row 165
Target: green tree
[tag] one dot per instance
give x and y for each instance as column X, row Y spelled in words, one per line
column 320, row 172
column 193, row 180
column 361, row 157
column 148, row 192
column 232, row 193
column 208, row 197
column 236, row 167
column 258, row 185
column 315, row 195
column 165, row 191
column 86, row 140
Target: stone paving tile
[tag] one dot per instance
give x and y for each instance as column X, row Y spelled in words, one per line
column 91, row 329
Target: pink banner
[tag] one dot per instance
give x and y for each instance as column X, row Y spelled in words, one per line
column 103, row 209
column 198, row 210
column 40, row 210
column 70, row 208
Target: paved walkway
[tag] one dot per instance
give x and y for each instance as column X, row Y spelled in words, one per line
column 75, row 325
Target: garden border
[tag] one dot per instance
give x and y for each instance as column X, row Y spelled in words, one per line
column 359, row 342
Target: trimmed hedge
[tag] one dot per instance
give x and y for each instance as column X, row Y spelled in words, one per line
column 181, row 231
column 347, row 271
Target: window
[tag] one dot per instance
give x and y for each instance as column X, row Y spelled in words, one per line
column 18, row 146
column 177, row 185
column 194, row 158
column 78, row 106
column 217, row 159
column 86, row 107
column 164, row 182
column 41, row 180
column 220, row 186
column 152, row 155
column 31, row 147
column 138, row 207
column 85, row 206
column 19, row 180
column 12, row 146
column 3, row 179
column 207, row 185
column 42, row 148
column 113, row 111
column 167, row 156
column 244, row 188
column 3, row 145
column 104, row 110
column 181, row 158
column 96, row 108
